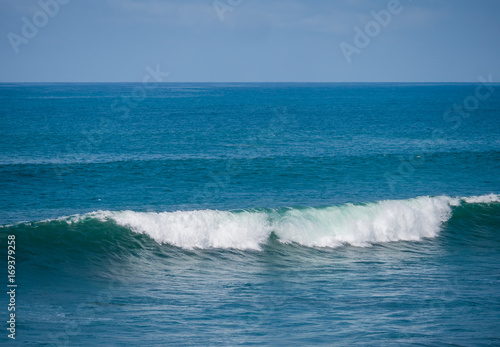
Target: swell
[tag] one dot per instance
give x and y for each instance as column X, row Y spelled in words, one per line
column 127, row 232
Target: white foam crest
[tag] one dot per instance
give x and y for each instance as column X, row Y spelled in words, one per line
column 483, row 199
column 76, row 218
column 362, row 225
column 199, row 229
column 357, row 225
column 334, row 226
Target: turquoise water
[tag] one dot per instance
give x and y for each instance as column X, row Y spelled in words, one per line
column 254, row 214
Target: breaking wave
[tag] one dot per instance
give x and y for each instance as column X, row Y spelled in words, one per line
column 331, row 226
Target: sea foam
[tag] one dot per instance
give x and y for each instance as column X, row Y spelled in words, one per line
column 332, row 226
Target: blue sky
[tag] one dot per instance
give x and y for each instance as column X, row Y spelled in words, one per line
column 249, row 40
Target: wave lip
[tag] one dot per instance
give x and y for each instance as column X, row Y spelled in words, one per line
column 362, row 225
column 332, row 226
column 483, row 199
column 198, row 229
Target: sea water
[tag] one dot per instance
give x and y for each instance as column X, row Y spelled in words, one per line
column 252, row 214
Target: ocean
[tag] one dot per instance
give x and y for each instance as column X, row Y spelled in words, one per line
column 259, row 214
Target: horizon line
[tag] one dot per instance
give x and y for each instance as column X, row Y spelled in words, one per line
column 246, row 82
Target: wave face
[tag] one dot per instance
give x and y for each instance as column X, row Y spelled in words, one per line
column 332, row 226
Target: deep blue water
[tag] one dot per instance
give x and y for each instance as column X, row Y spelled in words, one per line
column 254, row 214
